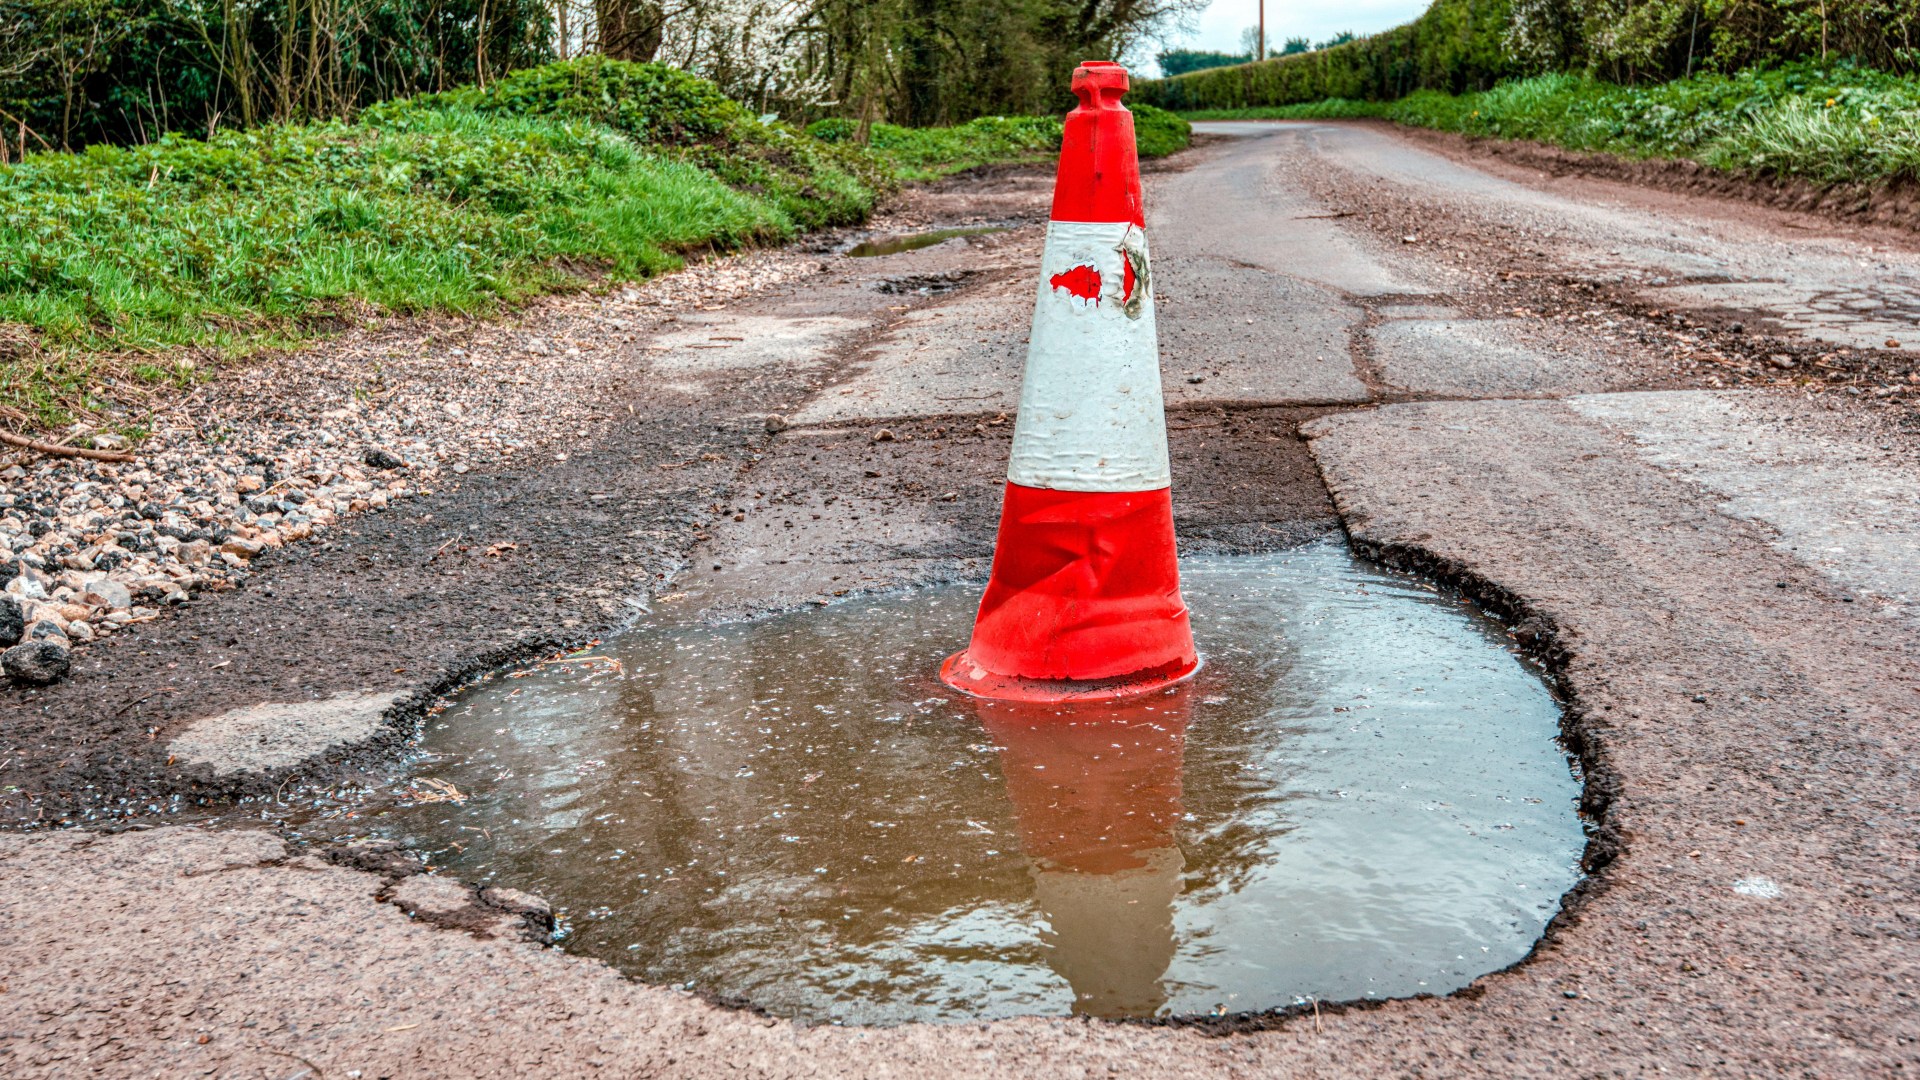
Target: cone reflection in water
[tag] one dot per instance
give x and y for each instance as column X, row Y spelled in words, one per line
column 1096, row 795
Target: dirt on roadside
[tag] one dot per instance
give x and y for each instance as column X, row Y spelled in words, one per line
column 1516, row 271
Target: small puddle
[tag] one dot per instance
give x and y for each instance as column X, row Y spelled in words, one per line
column 894, row 245
column 1359, row 796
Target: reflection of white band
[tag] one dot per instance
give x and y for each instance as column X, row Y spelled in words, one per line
column 1091, row 415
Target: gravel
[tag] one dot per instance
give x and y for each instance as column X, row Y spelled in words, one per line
column 284, row 449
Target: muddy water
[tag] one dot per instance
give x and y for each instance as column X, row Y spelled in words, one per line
column 1359, row 796
column 894, row 245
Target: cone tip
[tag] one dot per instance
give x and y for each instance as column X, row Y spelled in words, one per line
column 1097, row 75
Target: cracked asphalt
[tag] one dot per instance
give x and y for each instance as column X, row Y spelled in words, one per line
column 1558, row 394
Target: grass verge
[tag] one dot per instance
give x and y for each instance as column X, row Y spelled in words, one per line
column 921, row 154
column 128, row 268
column 124, row 270
column 1826, row 124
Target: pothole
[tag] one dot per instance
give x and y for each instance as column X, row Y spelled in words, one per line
column 925, row 284
column 1360, row 796
column 894, row 245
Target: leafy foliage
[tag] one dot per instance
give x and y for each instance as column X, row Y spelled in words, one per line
column 1464, row 45
column 1456, row 45
column 1180, row 61
column 1638, row 40
column 1828, row 124
column 83, row 71
column 930, row 153
column 814, row 184
column 1159, row 132
column 934, row 62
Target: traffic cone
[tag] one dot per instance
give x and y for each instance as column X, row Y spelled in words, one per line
column 1084, row 600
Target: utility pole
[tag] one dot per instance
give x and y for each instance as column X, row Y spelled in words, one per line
column 1260, row 46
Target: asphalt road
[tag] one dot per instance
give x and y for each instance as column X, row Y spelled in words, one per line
column 1527, row 386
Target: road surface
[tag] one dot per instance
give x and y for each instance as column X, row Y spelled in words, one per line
column 1666, row 437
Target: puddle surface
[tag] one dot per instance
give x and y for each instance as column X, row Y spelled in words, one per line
column 894, row 245
column 1359, row 796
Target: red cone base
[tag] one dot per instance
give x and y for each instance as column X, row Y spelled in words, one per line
column 961, row 673
column 1084, row 602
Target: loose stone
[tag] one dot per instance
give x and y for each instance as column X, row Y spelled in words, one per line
column 36, row 662
column 13, row 621
column 109, row 594
column 242, row 547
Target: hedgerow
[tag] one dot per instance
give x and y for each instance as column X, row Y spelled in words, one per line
column 930, row 153
column 1824, row 123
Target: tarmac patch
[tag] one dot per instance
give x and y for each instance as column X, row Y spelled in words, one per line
column 277, row 735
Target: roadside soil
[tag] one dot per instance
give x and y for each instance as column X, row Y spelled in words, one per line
column 1887, row 207
column 1509, row 265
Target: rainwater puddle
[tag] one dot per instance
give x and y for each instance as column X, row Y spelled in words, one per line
column 1359, row 796
column 894, row 245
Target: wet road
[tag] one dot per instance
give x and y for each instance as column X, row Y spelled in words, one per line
column 1721, row 576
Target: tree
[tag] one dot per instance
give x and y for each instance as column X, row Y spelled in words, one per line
column 943, row 61
column 1340, row 38
column 1295, row 46
column 629, row 29
column 1180, row 61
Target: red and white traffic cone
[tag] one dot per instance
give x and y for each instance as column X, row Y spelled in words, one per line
column 1084, row 601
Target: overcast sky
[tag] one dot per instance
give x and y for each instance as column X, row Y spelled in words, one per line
column 1218, row 28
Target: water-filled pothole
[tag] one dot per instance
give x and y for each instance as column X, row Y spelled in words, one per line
column 1359, row 796
column 894, row 245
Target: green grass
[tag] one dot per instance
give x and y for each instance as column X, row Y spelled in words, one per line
column 115, row 259
column 919, row 154
column 1827, row 124
column 123, row 268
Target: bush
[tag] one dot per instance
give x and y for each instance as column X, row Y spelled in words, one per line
column 1158, row 132
column 814, row 183
column 1456, row 45
column 1827, row 124
column 930, row 153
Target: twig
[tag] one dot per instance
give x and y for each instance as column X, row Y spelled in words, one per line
column 123, row 709
column 1323, row 217
column 319, row 1073
column 57, row 450
column 26, row 131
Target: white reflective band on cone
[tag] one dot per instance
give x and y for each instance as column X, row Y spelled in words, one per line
column 1091, row 414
